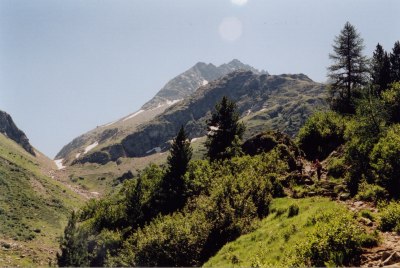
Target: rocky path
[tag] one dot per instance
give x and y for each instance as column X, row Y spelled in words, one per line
column 60, row 176
column 19, row 253
column 387, row 254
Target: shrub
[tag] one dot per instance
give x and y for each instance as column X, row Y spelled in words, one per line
column 385, row 160
column 293, row 210
column 390, row 217
column 391, row 98
column 105, row 243
column 198, row 178
column 370, row 240
column 336, row 240
column 322, row 133
column 365, row 213
column 371, row 192
column 171, row 240
column 279, row 212
column 336, row 167
column 362, row 133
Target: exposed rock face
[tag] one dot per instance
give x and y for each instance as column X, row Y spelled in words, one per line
column 179, row 88
column 263, row 100
column 199, row 75
column 8, row 128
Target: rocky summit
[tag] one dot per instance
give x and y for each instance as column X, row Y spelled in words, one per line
column 199, row 75
column 9, row 129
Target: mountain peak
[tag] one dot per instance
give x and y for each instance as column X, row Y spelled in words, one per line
column 189, row 81
column 235, row 62
column 235, row 65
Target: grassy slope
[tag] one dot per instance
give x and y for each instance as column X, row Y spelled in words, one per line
column 33, row 207
column 275, row 237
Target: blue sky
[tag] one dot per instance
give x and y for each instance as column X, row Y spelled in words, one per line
column 68, row 66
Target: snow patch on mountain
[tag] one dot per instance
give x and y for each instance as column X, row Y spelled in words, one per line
column 59, row 163
column 173, row 102
column 133, row 115
column 90, row 147
column 109, row 124
column 156, row 149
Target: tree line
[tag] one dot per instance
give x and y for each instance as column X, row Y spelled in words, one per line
column 352, row 74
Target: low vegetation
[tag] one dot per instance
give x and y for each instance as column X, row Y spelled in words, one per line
column 33, row 208
column 323, row 233
column 390, row 217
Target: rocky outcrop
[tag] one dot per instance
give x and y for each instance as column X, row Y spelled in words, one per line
column 266, row 141
column 9, row 129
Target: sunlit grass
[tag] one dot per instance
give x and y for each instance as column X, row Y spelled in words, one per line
column 275, row 240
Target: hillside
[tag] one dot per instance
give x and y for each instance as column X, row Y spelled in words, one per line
column 275, row 240
column 279, row 102
column 33, row 206
column 10, row 130
column 175, row 90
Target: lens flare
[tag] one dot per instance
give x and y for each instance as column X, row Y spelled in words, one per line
column 239, row 2
column 230, row 29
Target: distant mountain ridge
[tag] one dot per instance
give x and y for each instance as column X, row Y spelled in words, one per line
column 9, row 129
column 199, row 75
column 279, row 102
column 180, row 87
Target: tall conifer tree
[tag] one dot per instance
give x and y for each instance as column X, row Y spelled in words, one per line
column 380, row 70
column 173, row 185
column 225, row 131
column 395, row 63
column 349, row 69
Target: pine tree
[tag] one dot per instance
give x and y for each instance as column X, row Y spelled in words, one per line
column 380, row 70
column 348, row 71
column 134, row 196
column 173, row 185
column 395, row 63
column 225, row 131
column 73, row 249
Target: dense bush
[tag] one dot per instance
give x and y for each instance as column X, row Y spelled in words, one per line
column 391, row 98
column 371, row 192
column 224, row 200
column 390, row 218
column 336, row 167
column 101, row 246
column 73, row 245
column 293, row 210
column 385, row 160
column 167, row 241
column 199, row 177
column 336, row 240
column 361, row 137
column 322, row 133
